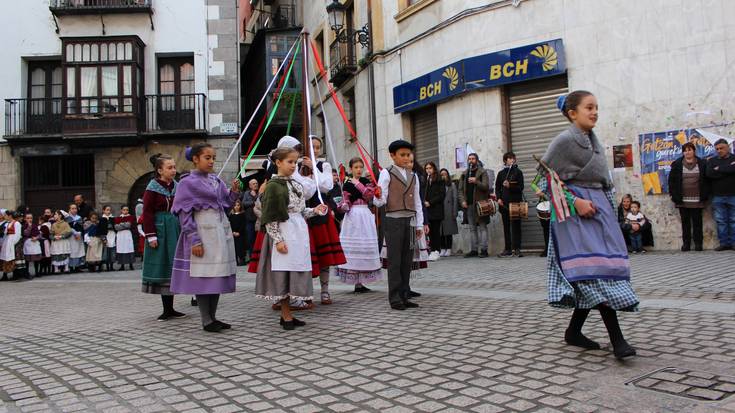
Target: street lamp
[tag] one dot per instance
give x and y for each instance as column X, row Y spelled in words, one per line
column 337, row 12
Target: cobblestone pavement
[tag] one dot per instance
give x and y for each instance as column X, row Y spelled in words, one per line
column 484, row 340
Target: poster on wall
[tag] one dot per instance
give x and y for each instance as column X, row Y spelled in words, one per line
column 460, row 157
column 623, row 156
column 659, row 149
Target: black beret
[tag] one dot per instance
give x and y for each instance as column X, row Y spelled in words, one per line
column 399, row 144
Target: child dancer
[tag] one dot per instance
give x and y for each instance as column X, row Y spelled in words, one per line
column 124, row 247
column 403, row 225
column 587, row 263
column 107, row 226
column 13, row 237
column 45, row 228
column 76, row 242
column 95, row 243
column 161, row 232
column 60, row 245
column 32, row 244
column 204, row 263
column 284, row 268
column 359, row 235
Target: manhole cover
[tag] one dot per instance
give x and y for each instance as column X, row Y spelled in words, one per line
column 698, row 385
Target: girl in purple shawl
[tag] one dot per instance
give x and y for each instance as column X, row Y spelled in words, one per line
column 204, row 263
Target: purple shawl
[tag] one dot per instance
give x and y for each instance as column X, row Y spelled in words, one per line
column 197, row 191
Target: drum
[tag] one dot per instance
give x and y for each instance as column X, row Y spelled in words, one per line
column 487, row 207
column 543, row 210
column 518, row 210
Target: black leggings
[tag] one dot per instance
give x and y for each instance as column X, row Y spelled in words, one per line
column 447, row 242
column 435, row 238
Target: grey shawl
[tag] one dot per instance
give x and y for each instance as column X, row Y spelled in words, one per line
column 579, row 159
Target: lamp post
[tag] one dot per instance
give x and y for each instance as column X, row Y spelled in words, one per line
column 337, row 12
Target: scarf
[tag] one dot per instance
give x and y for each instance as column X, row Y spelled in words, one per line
column 198, row 191
column 60, row 227
column 156, row 187
column 579, row 159
column 275, row 200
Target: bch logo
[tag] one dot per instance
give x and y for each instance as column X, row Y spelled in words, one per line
column 451, row 74
column 547, row 54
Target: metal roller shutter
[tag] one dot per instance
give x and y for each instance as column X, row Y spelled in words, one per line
column 534, row 122
column 425, row 135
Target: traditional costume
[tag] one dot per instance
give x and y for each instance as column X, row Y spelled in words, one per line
column 45, row 230
column 95, row 245
column 32, row 243
column 107, row 226
column 359, row 236
column 161, row 225
column 124, row 246
column 76, row 241
column 12, row 248
column 60, row 245
column 200, row 203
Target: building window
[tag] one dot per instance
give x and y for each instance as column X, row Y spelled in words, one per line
column 99, row 75
column 50, row 181
column 319, row 41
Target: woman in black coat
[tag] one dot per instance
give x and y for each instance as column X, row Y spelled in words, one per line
column 239, row 235
column 434, row 203
column 689, row 190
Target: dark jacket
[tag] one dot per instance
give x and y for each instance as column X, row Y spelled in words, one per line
column 435, row 192
column 721, row 173
column 248, row 203
column 483, row 187
column 676, row 181
column 514, row 193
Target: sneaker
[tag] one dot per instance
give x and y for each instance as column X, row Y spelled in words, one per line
column 642, row 251
column 517, row 253
column 634, row 252
column 194, row 302
column 444, row 253
column 434, row 256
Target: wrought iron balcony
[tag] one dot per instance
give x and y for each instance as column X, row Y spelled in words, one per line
column 182, row 113
column 68, row 7
column 343, row 62
column 33, row 117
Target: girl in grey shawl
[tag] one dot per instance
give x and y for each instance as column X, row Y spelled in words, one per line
column 587, row 258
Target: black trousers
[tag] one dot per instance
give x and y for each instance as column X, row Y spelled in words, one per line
column 545, row 223
column 398, row 233
column 447, row 242
column 691, row 226
column 511, row 230
column 435, row 239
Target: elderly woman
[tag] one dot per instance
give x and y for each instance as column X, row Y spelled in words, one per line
column 689, row 190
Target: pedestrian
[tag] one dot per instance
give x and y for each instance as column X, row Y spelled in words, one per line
column 475, row 185
column 449, row 226
column 327, row 249
column 721, row 173
column 124, row 246
column 284, row 270
column 161, row 233
column 509, row 190
column 82, row 208
column 335, row 195
column 95, row 242
column 60, row 244
column 107, row 227
column 248, row 204
column 13, row 237
column 359, row 235
column 403, row 224
column 44, row 227
column 587, row 263
column 32, row 244
column 434, row 203
column 204, row 263
column 689, row 190
column 76, row 241
column 636, row 217
column 239, row 234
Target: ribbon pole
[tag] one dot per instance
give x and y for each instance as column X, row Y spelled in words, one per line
column 257, row 108
column 307, row 96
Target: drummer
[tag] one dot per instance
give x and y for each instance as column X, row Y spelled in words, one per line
column 544, row 213
column 476, row 184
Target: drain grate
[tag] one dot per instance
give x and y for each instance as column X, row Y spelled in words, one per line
column 698, row 385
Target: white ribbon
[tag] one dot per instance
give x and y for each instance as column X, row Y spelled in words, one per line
column 308, row 120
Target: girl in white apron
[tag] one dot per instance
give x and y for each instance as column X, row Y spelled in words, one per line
column 284, row 268
column 76, row 241
column 125, row 248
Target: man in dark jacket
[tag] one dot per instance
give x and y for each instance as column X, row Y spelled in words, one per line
column 689, row 190
column 476, row 184
column 84, row 209
column 721, row 172
column 509, row 189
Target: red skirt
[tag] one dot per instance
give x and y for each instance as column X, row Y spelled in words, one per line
column 255, row 256
column 326, row 250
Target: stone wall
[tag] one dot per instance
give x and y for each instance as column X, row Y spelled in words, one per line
column 223, row 70
column 9, row 179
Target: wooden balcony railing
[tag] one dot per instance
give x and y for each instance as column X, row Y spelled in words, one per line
column 176, row 113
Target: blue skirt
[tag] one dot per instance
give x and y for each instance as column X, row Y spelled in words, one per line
column 593, row 252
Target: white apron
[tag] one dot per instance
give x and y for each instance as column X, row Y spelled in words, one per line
column 296, row 236
column 110, row 237
column 31, row 247
column 215, row 232
column 77, row 246
column 124, row 242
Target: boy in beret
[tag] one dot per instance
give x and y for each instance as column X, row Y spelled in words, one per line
column 399, row 192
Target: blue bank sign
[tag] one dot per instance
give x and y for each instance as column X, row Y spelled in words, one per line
column 490, row 70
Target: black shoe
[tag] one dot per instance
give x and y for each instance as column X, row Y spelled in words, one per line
column 288, row 325
column 131, row 267
column 398, row 306
column 471, row 254
column 194, row 302
column 224, row 325
column 580, row 340
column 296, row 322
column 505, row 254
column 213, row 327
column 413, row 294
column 685, row 248
column 698, row 247
column 623, row 350
column 517, row 253
column 723, row 248
column 176, row 314
column 483, row 254
column 163, row 317
column 122, row 268
column 409, row 304
column 362, row 289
